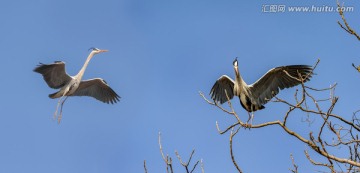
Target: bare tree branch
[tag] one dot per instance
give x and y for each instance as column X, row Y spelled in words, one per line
column 202, row 166
column 295, row 169
column 347, row 27
column 232, row 134
column 186, row 165
column 167, row 159
column 357, row 68
column 169, row 164
column 145, row 169
column 331, row 167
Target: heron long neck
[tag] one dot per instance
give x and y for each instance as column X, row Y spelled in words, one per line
column 238, row 79
column 82, row 71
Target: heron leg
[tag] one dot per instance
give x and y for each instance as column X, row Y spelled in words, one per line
column 62, row 104
column 57, row 107
column 250, row 119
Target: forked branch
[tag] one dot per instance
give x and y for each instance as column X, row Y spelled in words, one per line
column 169, row 163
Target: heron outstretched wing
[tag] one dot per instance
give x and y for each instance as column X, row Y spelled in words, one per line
column 277, row 79
column 54, row 74
column 98, row 89
column 224, row 83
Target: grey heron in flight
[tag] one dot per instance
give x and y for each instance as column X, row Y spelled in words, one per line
column 253, row 97
column 57, row 78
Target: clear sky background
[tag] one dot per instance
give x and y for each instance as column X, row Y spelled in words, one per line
column 161, row 54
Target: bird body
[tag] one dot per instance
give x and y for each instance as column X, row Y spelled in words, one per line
column 67, row 90
column 248, row 103
column 57, row 78
column 253, row 97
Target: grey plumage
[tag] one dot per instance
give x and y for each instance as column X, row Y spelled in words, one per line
column 54, row 74
column 56, row 77
column 253, row 97
column 276, row 79
column 98, row 89
column 222, row 85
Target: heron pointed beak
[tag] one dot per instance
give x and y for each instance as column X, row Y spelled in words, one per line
column 103, row 51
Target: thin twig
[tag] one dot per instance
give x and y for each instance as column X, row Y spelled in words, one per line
column 295, row 169
column 145, row 166
column 347, row 27
column 202, row 166
column 318, row 163
column 167, row 159
column 232, row 134
column 186, row 164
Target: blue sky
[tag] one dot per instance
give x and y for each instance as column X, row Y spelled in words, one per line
column 161, row 54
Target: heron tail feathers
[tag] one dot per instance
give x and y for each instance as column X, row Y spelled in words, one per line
column 261, row 107
column 53, row 95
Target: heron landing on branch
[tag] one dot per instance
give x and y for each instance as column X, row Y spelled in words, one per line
column 253, row 97
column 57, row 78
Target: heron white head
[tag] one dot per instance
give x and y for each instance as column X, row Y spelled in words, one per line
column 97, row 50
column 235, row 63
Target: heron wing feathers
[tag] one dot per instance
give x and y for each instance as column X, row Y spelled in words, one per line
column 277, row 79
column 98, row 89
column 224, row 83
column 54, row 74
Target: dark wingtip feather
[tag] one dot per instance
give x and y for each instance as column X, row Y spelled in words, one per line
column 116, row 98
column 305, row 70
column 39, row 68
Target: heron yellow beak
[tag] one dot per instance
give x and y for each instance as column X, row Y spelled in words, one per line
column 103, row 51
